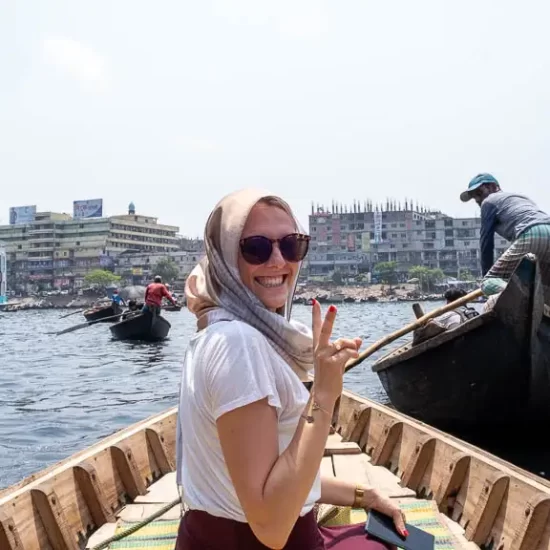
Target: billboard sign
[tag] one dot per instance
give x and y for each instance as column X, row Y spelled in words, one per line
column 88, row 209
column 377, row 226
column 22, row 214
column 351, row 242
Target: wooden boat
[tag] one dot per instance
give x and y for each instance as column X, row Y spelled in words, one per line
column 477, row 500
column 539, row 386
column 171, row 307
column 478, row 376
column 141, row 326
column 99, row 313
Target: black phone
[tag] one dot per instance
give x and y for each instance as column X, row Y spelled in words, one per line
column 381, row 527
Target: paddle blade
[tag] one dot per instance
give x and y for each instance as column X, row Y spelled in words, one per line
column 71, row 329
column 73, row 313
column 86, row 324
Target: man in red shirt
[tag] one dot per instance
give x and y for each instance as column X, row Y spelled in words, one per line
column 154, row 294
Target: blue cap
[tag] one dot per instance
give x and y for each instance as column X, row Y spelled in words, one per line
column 479, row 180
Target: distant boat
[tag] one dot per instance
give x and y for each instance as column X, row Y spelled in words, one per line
column 172, row 307
column 336, row 298
column 99, row 313
column 141, row 326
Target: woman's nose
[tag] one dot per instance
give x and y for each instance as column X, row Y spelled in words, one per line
column 276, row 259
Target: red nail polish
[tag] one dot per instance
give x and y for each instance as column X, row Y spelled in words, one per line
column 405, row 533
column 332, row 308
column 313, row 301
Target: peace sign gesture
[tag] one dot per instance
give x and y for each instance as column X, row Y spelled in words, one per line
column 330, row 358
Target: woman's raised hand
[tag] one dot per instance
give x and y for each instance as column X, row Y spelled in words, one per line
column 330, row 357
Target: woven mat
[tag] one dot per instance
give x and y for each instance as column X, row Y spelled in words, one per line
column 157, row 535
column 161, row 534
column 420, row 513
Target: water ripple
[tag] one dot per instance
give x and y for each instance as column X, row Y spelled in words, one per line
column 59, row 394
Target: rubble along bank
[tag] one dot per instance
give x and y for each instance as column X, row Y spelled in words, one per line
column 52, row 302
column 68, row 301
column 324, row 294
column 361, row 294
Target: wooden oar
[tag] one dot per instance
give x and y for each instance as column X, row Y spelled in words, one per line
column 84, row 325
column 412, row 326
column 73, row 313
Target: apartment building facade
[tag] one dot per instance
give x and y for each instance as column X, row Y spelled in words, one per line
column 55, row 250
column 354, row 239
column 138, row 268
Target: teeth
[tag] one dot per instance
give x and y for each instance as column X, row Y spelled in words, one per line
column 271, row 282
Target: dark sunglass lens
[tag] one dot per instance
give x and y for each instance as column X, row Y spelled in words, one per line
column 256, row 250
column 294, row 247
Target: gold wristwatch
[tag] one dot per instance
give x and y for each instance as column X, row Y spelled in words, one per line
column 359, row 495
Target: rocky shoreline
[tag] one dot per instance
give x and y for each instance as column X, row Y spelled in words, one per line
column 89, row 299
column 51, row 302
column 362, row 294
column 325, row 294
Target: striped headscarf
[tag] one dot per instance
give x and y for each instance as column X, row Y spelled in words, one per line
column 215, row 292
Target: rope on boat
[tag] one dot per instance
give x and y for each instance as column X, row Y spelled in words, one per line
column 137, row 526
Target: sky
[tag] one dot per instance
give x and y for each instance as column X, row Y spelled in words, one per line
column 174, row 104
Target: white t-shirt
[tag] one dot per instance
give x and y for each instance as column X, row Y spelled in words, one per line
column 228, row 365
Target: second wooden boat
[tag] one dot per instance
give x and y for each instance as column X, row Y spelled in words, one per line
column 477, row 376
column 171, row 307
column 100, row 313
column 141, row 326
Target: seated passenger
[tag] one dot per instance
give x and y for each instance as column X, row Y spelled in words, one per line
column 446, row 321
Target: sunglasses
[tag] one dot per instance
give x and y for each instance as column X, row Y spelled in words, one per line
column 257, row 250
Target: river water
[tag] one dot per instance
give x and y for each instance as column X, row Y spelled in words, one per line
column 60, row 394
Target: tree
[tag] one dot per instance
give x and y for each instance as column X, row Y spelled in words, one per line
column 101, row 278
column 337, row 277
column 436, row 276
column 387, row 272
column 167, row 269
column 465, row 274
column 427, row 277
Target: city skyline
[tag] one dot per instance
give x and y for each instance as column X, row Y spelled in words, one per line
column 388, row 204
column 57, row 250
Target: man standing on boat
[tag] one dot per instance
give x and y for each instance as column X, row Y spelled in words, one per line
column 154, row 294
column 515, row 218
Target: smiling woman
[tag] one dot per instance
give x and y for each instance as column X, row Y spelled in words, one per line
column 270, row 253
column 250, row 438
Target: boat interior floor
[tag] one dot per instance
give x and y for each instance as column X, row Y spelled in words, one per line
column 343, row 460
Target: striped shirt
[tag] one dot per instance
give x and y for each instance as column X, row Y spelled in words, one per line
column 508, row 215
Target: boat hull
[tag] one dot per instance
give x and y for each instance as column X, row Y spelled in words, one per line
column 142, row 326
column 171, row 308
column 476, row 377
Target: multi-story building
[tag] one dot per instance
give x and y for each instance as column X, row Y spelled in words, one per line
column 354, row 239
column 138, row 268
column 56, row 250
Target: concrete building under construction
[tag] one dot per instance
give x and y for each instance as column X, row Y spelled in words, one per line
column 353, row 238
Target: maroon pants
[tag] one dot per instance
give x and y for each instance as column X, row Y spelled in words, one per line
column 202, row 531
